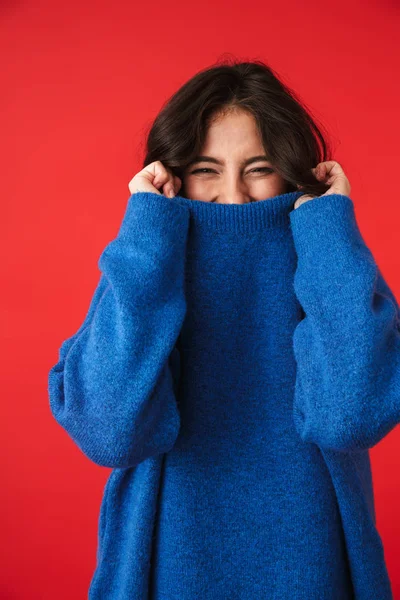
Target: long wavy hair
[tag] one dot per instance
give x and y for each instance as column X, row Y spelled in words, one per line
column 290, row 135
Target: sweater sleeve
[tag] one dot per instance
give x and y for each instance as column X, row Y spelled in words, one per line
column 347, row 346
column 112, row 388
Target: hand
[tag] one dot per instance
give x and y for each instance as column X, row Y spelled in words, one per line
column 153, row 177
column 331, row 173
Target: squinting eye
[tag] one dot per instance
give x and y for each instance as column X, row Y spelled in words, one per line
column 205, row 169
column 262, row 169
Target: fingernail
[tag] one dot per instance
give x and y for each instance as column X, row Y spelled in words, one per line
column 171, row 194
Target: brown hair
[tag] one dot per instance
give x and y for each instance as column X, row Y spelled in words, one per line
column 290, row 135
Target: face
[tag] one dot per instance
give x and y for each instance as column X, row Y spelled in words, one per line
column 230, row 169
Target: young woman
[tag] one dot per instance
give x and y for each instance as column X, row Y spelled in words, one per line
column 240, row 355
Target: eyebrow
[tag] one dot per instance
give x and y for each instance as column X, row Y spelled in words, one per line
column 244, row 163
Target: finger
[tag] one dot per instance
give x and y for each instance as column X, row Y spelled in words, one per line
column 164, row 179
column 302, row 199
column 177, row 183
column 321, row 167
column 331, row 167
column 160, row 173
column 169, row 189
column 173, row 186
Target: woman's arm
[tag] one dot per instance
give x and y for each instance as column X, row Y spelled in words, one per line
column 347, row 347
column 112, row 388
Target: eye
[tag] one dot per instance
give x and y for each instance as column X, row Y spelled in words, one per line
column 265, row 169
column 206, row 170
column 202, row 170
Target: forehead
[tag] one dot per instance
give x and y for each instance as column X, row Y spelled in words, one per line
column 234, row 136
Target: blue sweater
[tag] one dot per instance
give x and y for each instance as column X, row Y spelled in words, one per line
column 235, row 365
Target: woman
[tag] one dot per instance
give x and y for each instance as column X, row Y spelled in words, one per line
column 238, row 359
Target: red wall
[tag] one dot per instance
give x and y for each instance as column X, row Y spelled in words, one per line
column 81, row 83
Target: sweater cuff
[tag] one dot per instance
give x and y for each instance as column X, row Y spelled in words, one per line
column 334, row 264
column 329, row 245
column 149, row 213
column 325, row 224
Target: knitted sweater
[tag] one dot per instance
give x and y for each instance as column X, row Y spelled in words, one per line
column 235, row 365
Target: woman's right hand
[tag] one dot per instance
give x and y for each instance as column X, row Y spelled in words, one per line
column 153, row 177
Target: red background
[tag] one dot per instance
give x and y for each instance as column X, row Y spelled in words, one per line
column 81, row 84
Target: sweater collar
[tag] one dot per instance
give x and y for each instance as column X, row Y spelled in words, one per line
column 241, row 218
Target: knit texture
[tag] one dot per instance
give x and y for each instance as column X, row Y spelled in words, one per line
column 235, row 365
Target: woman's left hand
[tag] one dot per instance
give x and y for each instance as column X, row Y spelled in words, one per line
column 331, row 173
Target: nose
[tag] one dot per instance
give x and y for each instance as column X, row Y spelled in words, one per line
column 234, row 193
